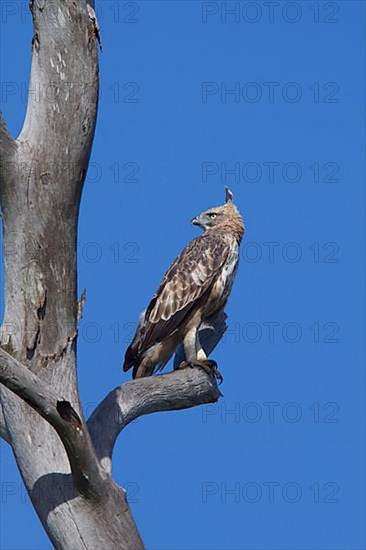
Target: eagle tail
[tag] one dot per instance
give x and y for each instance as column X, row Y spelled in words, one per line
column 132, row 358
column 137, row 362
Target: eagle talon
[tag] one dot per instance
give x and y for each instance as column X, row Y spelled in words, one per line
column 218, row 374
column 215, row 371
column 211, row 367
column 208, row 366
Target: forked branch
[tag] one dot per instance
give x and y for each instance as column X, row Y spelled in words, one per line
column 65, row 420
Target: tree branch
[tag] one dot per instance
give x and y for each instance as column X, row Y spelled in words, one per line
column 64, row 419
column 3, row 429
column 176, row 390
column 7, row 143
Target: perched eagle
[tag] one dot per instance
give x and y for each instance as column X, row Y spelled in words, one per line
column 193, row 292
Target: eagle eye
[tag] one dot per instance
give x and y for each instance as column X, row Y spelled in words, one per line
column 212, row 216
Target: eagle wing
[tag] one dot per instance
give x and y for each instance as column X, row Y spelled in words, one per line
column 191, row 275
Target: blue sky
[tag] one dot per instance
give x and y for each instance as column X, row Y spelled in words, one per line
column 279, row 461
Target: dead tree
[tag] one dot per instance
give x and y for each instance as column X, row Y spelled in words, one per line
column 42, row 176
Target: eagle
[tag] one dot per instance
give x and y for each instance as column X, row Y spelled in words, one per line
column 192, row 294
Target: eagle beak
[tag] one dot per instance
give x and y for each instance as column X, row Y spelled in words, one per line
column 195, row 221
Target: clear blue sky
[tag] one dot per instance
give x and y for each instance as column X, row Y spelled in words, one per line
column 286, row 468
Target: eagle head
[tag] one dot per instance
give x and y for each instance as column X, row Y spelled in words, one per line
column 225, row 217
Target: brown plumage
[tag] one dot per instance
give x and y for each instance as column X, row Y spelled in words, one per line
column 193, row 291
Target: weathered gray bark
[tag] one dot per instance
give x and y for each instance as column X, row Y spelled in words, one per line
column 64, row 462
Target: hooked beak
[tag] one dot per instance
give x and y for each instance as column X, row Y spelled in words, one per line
column 195, row 221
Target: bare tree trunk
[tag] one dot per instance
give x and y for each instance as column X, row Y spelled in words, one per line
column 65, row 463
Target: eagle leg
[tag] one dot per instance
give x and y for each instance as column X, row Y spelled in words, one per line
column 195, row 354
